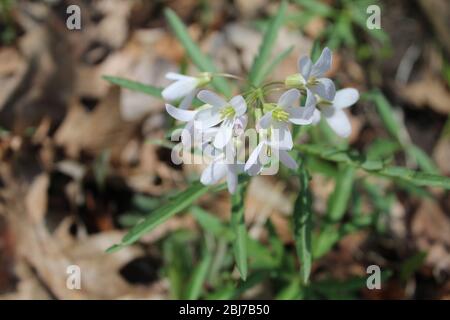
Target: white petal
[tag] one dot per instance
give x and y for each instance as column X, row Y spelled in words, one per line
column 211, row 98
column 179, row 89
column 281, row 136
column 240, row 124
column 323, row 64
column 180, row 114
column 311, row 101
column 232, row 178
column 307, row 112
column 266, row 120
column 345, row 98
column 287, row 160
column 187, row 100
column 209, row 133
column 305, row 67
column 239, row 105
column 252, row 161
column 325, row 89
column 177, row 76
column 254, row 169
column 289, row 98
column 208, row 117
column 300, row 115
column 224, row 134
column 338, row 121
column 187, row 134
column 213, row 173
column 208, row 150
column 316, row 117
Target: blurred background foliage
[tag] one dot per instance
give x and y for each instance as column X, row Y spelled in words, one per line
column 82, row 161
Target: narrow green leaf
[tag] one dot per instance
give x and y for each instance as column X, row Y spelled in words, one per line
column 332, row 234
column 178, row 261
column 351, row 157
column 261, row 257
column 278, row 59
column 179, row 203
column 422, row 159
column 203, row 62
column 395, row 128
column 411, row 265
column 303, row 225
column 342, row 191
column 291, row 291
column 316, row 7
column 199, row 275
column 382, row 149
column 256, row 74
column 237, row 225
column 418, row 178
column 211, row 223
column 386, row 113
column 316, row 50
column 325, row 241
column 135, row 86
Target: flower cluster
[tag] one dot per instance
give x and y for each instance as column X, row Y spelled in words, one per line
column 219, row 127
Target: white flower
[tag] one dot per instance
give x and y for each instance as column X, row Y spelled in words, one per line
column 226, row 113
column 333, row 113
column 197, row 120
column 280, row 114
column 311, row 75
column 221, row 167
column 267, row 150
column 184, row 87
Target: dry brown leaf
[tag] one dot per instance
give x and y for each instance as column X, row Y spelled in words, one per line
column 101, row 129
column 431, row 230
column 36, row 198
column 441, row 154
column 430, row 91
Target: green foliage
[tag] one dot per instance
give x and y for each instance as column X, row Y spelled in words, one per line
column 338, row 201
column 257, row 71
column 398, row 132
column 377, row 167
column 303, row 225
column 135, row 86
column 9, row 33
column 179, row 203
column 195, row 263
column 202, row 62
column 239, row 229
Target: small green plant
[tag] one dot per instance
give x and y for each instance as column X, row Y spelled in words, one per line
column 221, row 122
column 8, row 34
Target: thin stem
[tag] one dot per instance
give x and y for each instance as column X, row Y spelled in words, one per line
column 228, row 75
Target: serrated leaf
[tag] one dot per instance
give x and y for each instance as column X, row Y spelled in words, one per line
column 202, row 62
column 135, row 86
column 303, row 225
column 256, row 74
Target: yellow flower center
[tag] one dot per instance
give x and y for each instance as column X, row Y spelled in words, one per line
column 280, row 115
column 227, row 112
